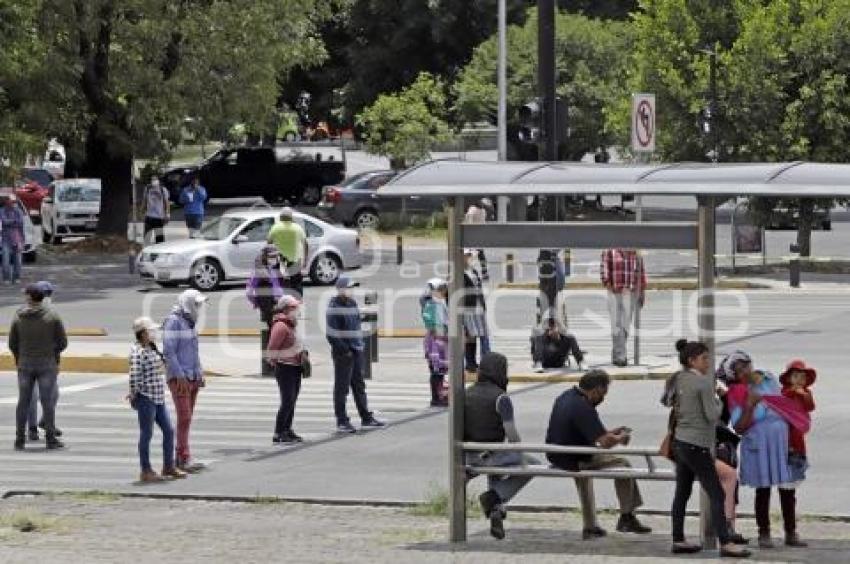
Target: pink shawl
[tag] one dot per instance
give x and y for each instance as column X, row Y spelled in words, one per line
column 791, row 411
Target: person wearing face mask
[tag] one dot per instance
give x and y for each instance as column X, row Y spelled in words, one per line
column 286, row 352
column 157, row 208
column 32, row 418
column 575, row 422
column 183, row 368
column 265, row 287
column 346, row 339
column 11, row 239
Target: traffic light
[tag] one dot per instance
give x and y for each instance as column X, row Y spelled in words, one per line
column 530, row 122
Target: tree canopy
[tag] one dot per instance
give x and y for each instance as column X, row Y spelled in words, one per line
column 591, row 66
column 405, row 126
column 116, row 79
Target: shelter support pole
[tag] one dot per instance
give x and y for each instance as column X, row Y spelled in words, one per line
column 457, row 475
column 705, row 304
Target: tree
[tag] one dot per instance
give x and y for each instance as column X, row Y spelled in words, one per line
column 406, row 125
column 591, row 60
column 119, row 77
column 782, row 85
column 20, row 47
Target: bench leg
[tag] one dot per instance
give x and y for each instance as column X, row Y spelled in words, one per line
column 584, row 487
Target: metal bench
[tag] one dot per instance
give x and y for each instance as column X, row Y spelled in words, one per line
column 650, row 472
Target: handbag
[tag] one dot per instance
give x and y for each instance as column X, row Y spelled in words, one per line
column 666, row 447
column 306, row 366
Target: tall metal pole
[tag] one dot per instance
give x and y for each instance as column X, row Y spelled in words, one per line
column 502, row 112
column 712, row 78
column 457, row 475
column 705, row 317
column 546, row 77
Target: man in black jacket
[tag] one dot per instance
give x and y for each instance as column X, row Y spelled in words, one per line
column 36, row 339
column 551, row 344
column 346, row 339
column 489, row 418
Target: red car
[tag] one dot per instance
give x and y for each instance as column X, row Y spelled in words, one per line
column 31, row 188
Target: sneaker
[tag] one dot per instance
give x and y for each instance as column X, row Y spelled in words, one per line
column 629, row 524
column 149, row 477
column 33, row 435
column 190, row 467
column 594, row 532
column 276, row 439
column 685, row 548
column 766, row 542
column 373, row 423
column 20, row 443
column 54, row 443
column 174, row 473
column 56, row 431
column 293, row 437
column 346, row 428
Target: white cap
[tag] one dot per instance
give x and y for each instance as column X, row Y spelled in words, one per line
column 287, row 301
column 144, row 324
column 286, row 213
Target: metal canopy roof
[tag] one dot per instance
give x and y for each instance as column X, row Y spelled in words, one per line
column 443, row 178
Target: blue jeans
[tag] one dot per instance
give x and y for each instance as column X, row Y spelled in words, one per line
column 11, row 263
column 148, row 413
column 32, row 417
column 32, row 374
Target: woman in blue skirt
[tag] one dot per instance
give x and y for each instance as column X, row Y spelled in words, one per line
column 764, row 453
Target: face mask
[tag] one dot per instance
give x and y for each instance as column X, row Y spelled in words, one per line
column 47, row 300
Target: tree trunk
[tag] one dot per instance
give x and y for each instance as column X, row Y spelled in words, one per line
column 114, row 168
column 804, row 229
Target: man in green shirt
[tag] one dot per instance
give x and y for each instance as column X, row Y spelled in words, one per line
column 291, row 243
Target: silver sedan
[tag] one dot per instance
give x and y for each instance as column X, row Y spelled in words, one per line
column 228, row 245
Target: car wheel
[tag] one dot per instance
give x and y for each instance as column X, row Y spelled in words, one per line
column 367, row 219
column 30, row 257
column 206, row 275
column 325, row 269
column 311, row 195
column 290, row 137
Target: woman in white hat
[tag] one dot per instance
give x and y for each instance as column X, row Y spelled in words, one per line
column 147, row 396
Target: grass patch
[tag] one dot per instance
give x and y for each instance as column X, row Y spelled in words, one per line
column 436, row 502
column 31, row 521
column 94, row 496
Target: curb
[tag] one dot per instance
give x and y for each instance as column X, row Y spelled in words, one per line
column 348, row 502
column 76, row 332
column 656, row 285
column 90, row 364
column 573, row 377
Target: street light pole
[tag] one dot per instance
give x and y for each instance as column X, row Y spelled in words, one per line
column 712, row 77
column 502, row 112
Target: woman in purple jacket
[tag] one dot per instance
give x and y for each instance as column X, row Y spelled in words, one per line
column 12, row 238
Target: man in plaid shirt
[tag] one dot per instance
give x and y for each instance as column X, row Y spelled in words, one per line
column 623, row 275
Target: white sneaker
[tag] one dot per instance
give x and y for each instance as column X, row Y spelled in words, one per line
column 537, row 367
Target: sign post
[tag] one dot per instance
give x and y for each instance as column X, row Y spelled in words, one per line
column 643, row 145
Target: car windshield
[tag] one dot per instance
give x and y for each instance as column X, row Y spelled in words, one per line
column 221, row 227
column 79, row 194
column 38, row 175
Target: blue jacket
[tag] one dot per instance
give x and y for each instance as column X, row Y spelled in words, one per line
column 343, row 326
column 180, row 347
column 196, row 206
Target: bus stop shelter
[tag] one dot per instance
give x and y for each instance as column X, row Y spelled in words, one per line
column 459, row 182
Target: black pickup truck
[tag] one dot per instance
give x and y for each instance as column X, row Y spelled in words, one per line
column 294, row 172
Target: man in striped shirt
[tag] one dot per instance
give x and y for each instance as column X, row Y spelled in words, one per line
column 623, row 275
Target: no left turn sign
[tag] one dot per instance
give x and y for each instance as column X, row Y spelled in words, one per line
column 643, row 123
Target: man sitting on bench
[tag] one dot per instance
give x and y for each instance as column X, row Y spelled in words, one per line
column 575, row 422
column 489, row 418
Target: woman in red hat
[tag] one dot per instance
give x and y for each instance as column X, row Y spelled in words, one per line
column 796, row 381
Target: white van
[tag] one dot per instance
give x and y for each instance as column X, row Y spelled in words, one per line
column 71, row 209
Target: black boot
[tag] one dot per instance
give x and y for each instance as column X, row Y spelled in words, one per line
column 762, row 507
column 788, row 502
column 20, row 439
column 52, row 442
column 436, row 391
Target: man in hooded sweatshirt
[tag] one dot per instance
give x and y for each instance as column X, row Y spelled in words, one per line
column 489, row 418
column 183, row 369
column 36, row 339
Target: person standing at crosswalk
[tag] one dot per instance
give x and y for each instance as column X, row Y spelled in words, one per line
column 36, row 339
column 183, row 368
column 346, row 339
column 147, row 396
column 287, row 353
column 32, row 418
column 291, row 242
